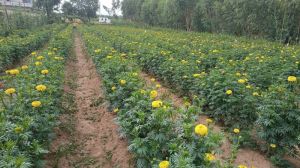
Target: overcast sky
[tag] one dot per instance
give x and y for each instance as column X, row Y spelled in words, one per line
column 102, row 2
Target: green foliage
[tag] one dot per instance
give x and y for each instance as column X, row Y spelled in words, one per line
column 154, row 134
column 25, row 130
column 273, row 19
column 207, row 66
column 22, row 43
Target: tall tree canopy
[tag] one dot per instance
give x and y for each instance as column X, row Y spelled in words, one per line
column 273, row 19
column 83, row 8
column 47, row 5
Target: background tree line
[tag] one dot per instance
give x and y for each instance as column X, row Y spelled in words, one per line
column 273, row 19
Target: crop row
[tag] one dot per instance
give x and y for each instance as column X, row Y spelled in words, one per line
column 245, row 85
column 30, row 103
column 15, row 47
column 158, row 133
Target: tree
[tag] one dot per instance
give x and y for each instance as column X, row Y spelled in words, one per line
column 116, row 4
column 47, row 5
column 86, row 8
column 68, row 8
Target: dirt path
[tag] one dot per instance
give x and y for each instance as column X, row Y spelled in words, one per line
column 94, row 140
column 246, row 157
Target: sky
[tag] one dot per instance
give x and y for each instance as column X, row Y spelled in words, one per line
column 102, row 2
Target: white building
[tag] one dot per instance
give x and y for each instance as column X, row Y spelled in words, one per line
column 104, row 20
column 21, row 3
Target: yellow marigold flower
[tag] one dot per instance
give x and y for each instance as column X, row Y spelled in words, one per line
column 187, row 103
column 236, row 130
column 54, row 49
column 152, row 80
column 292, row 79
column 45, row 72
column 113, row 88
column 229, row 92
column 158, row 86
column 40, row 57
column 14, row 72
column 157, row 104
column 109, row 57
column 50, row 53
column 255, row 94
column 238, row 74
column 36, row 104
column 209, row 120
column 97, row 50
column 241, row 81
column 58, row 58
column 153, row 94
column 18, row 129
column 248, row 86
column 196, row 75
column 116, row 110
column 242, row 166
column 10, row 91
column 142, row 91
column 210, row 157
column 135, row 74
column 201, row 130
column 33, row 53
column 24, row 67
column 273, row 145
column 122, row 82
column 164, row 164
column 38, row 63
column 41, row 88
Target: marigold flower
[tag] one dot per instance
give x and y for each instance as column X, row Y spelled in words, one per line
column 209, row 120
column 187, row 103
column 14, row 72
column 33, row 53
column 152, row 80
column 142, row 91
column 122, row 82
column 40, row 57
column 24, row 67
column 153, row 94
column 241, row 81
column 10, row 91
column 236, row 130
column 113, row 88
column 157, row 104
column 45, row 72
column 201, row 130
column 255, row 94
column 158, row 86
column 292, row 79
column 196, row 75
column 135, row 74
column 164, row 164
column 273, row 145
column 18, row 129
column 210, row 157
column 116, row 110
column 38, row 63
column 109, row 57
column 248, row 86
column 242, row 166
column 41, row 88
column 36, row 104
column 238, row 74
column 229, row 92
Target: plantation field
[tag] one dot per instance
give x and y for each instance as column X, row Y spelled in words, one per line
column 119, row 96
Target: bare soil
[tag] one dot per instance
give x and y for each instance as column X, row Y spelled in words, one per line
column 93, row 140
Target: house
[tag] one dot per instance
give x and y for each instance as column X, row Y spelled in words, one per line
column 20, row 3
column 104, row 20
